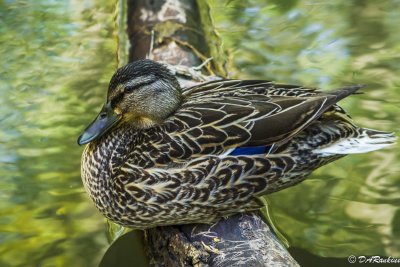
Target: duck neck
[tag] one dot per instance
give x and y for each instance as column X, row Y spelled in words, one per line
column 101, row 161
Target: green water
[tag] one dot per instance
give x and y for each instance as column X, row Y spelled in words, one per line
column 56, row 60
column 58, row 56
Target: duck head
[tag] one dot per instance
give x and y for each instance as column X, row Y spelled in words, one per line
column 141, row 94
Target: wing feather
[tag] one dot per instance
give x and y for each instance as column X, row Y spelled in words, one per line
column 221, row 115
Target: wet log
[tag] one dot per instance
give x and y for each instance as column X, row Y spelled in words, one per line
column 171, row 31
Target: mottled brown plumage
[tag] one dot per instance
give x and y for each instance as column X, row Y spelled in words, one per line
column 159, row 155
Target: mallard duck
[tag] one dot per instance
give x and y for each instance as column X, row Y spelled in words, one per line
column 161, row 155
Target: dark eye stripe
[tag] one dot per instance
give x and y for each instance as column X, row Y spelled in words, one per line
column 117, row 99
column 120, row 95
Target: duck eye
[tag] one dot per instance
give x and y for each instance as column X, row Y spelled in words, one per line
column 128, row 89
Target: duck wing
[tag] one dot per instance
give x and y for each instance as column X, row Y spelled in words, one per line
column 245, row 113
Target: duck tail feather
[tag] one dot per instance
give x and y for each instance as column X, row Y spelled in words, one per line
column 367, row 140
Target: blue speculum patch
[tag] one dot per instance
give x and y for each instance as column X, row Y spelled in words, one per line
column 241, row 151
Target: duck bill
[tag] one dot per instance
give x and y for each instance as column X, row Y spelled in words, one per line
column 106, row 119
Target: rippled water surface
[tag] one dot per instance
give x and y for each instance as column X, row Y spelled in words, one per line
column 57, row 59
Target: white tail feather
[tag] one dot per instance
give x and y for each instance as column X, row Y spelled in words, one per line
column 368, row 140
